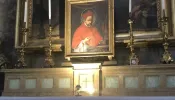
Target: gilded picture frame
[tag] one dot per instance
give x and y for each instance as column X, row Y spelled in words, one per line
column 101, row 43
column 32, row 41
column 145, row 34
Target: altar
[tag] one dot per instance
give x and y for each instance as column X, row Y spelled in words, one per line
column 90, row 49
column 136, row 80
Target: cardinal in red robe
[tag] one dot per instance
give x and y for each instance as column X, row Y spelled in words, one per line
column 86, row 35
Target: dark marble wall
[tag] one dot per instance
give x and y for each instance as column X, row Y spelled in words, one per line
column 151, row 54
column 7, row 29
column 36, row 59
column 146, row 55
column 7, row 32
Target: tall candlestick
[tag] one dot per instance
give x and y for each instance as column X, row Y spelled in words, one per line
column 163, row 4
column 130, row 6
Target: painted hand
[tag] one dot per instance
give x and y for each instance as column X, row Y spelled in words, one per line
column 86, row 40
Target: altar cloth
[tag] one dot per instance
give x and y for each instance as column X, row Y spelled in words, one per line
column 89, row 98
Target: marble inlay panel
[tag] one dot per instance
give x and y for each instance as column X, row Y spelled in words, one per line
column 152, row 81
column 30, row 83
column 64, row 83
column 170, row 81
column 14, row 83
column 47, row 83
column 131, row 82
column 111, row 82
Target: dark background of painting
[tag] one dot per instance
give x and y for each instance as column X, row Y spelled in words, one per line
column 40, row 14
column 101, row 10
column 122, row 15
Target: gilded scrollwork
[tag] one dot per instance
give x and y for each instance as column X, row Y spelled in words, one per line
column 30, row 7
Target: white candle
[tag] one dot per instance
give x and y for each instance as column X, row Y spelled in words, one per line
column 130, row 6
column 49, row 9
column 25, row 19
column 25, row 11
column 163, row 4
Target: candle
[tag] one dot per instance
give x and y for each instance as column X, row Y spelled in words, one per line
column 163, row 4
column 25, row 11
column 49, row 9
column 130, row 6
column 25, row 20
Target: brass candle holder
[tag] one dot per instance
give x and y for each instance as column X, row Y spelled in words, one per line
column 166, row 56
column 21, row 61
column 133, row 59
column 49, row 60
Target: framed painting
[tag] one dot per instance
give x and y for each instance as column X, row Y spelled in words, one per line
column 89, row 28
column 146, row 15
column 34, row 16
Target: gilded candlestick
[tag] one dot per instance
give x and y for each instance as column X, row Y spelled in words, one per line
column 21, row 61
column 166, row 56
column 133, row 60
column 49, row 60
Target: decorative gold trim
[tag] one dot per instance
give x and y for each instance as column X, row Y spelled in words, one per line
column 30, row 12
column 68, row 53
column 159, row 13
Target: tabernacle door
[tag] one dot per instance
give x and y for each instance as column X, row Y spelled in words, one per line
column 87, row 76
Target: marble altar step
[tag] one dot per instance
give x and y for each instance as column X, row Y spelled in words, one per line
column 88, row 98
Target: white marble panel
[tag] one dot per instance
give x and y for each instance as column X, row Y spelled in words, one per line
column 152, row 81
column 30, row 83
column 47, row 83
column 111, row 82
column 64, row 83
column 14, row 83
column 131, row 82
